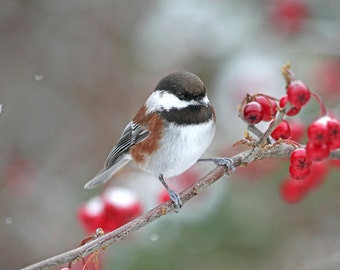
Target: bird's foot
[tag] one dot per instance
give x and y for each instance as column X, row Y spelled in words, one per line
column 227, row 162
column 222, row 161
column 175, row 197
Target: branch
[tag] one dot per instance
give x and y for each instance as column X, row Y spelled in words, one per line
column 281, row 150
column 262, row 149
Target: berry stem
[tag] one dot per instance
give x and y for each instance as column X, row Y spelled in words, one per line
column 264, row 138
column 323, row 110
column 287, row 73
column 266, row 96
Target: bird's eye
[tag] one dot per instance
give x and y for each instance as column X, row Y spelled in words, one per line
column 181, row 96
column 198, row 97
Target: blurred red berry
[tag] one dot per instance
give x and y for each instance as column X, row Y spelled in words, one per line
column 90, row 262
column 298, row 93
column 327, row 78
column 319, row 171
column 253, row 112
column 317, row 152
column 292, row 191
column 289, row 15
column 91, row 214
column 298, row 173
column 114, row 208
column 269, row 107
column 299, row 159
column 163, row 196
column 121, row 206
column 291, row 111
column 335, row 163
column 282, row 131
column 19, row 174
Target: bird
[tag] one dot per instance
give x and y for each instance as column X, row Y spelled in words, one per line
column 169, row 133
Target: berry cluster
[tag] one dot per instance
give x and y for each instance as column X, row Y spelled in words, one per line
column 308, row 167
column 323, row 137
column 259, row 108
column 114, row 208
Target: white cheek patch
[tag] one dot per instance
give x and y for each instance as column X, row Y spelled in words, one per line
column 164, row 101
column 205, row 100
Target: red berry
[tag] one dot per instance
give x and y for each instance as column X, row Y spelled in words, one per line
column 282, row 131
column 298, row 173
column 325, row 130
column 317, row 152
column 290, row 112
column 292, row 191
column 328, row 78
column 283, row 101
column 253, row 112
column 298, row 93
column 317, row 132
column 333, row 127
column 299, row 159
column 289, row 15
column 269, row 107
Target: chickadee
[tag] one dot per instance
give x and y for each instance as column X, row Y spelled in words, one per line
column 169, row 133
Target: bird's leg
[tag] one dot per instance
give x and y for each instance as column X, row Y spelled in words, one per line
column 222, row 161
column 174, row 196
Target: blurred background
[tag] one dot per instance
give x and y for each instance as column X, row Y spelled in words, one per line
column 73, row 74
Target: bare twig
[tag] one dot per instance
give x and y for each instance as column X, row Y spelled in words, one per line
column 276, row 151
column 253, row 154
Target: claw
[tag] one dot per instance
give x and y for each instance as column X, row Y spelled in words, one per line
column 227, row 162
column 174, row 196
column 222, row 161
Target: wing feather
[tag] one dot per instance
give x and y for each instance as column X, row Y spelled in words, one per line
column 132, row 134
column 119, row 155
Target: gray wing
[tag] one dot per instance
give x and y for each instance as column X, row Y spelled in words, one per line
column 119, row 155
column 132, row 134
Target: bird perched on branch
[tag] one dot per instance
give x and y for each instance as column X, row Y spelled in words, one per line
column 169, row 133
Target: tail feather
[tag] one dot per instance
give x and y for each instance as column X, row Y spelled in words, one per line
column 106, row 174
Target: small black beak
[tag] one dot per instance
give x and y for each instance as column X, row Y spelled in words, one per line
column 204, row 102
